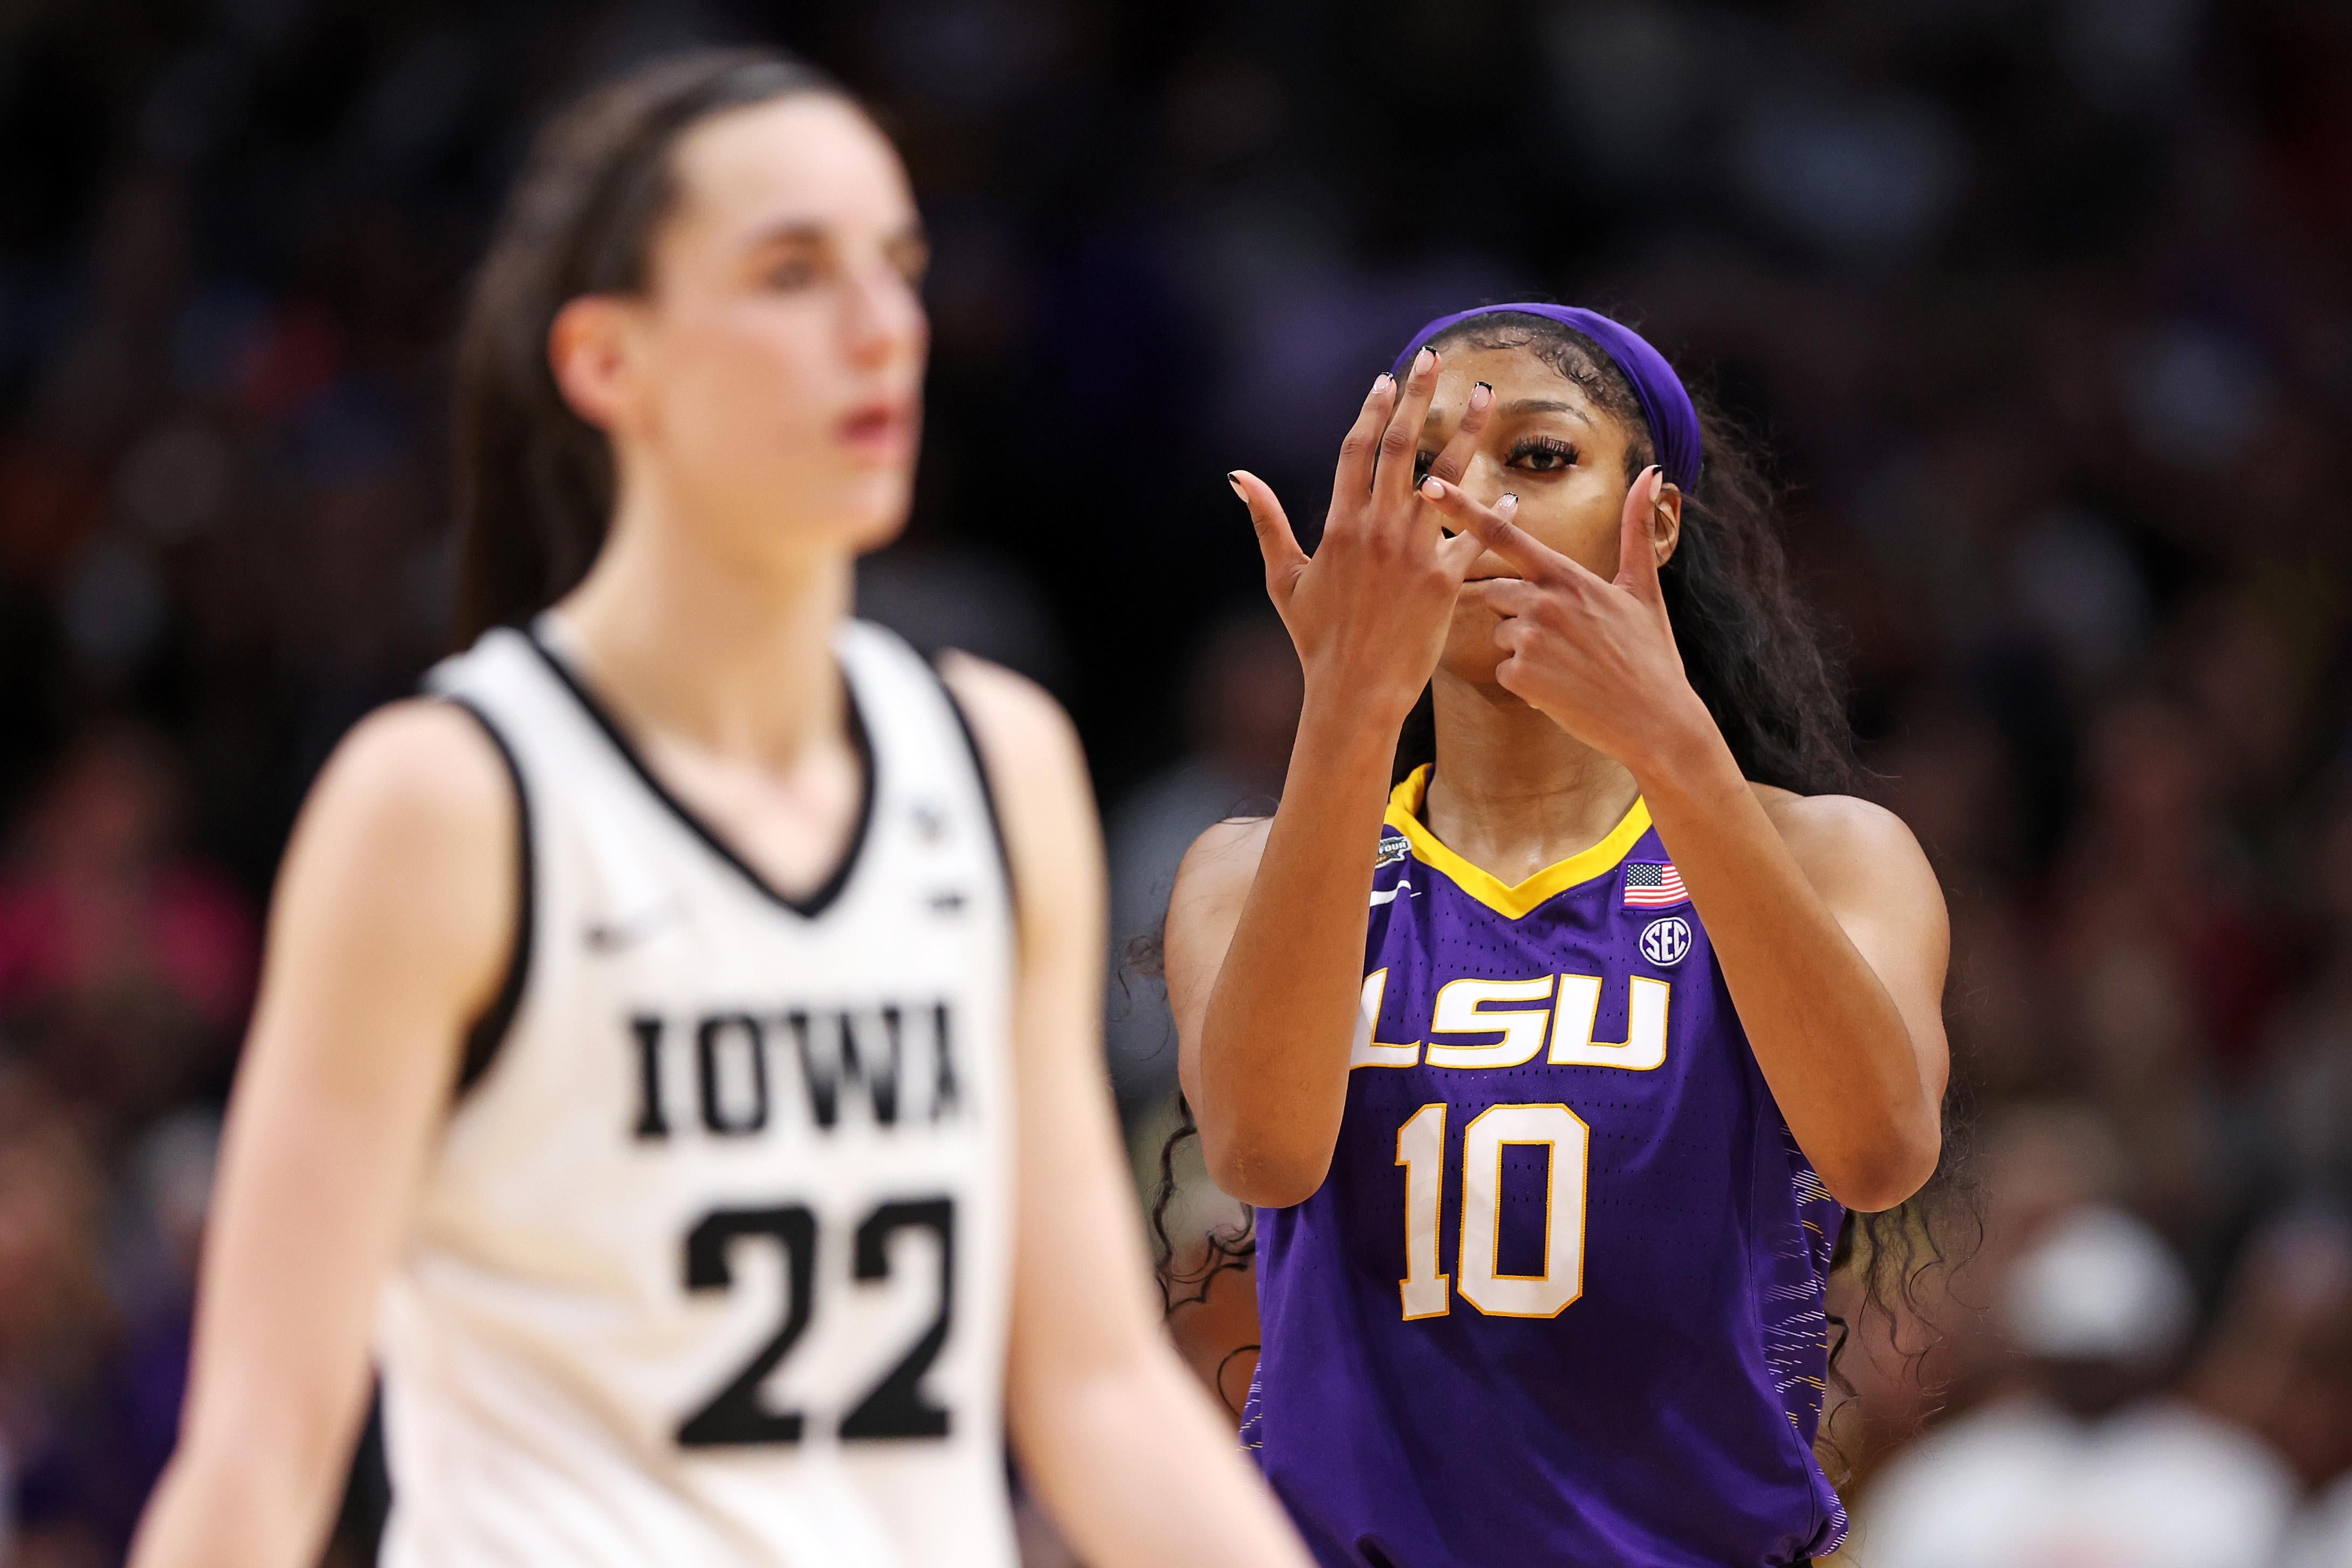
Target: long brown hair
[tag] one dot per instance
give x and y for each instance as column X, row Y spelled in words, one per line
column 534, row 480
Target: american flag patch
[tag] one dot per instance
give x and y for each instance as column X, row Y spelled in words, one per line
column 1653, row 885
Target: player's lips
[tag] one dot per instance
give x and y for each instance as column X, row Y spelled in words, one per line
column 1474, row 591
column 878, row 430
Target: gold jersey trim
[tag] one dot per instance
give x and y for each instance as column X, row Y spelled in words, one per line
column 1511, row 900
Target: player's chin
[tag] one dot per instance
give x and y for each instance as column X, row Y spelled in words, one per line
column 873, row 510
column 1470, row 652
column 1474, row 621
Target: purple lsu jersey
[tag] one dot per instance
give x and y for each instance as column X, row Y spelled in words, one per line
column 1560, row 1299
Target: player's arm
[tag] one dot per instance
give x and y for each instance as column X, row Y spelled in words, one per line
column 1117, row 1439
column 1822, row 912
column 1266, row 988
column 1857, row 865
column 389, row 932
column 1831, row 935
column 1265, row 952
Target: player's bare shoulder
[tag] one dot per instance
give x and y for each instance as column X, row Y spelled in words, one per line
column 429, row 762
column 1204, row 906
column 401, row 873
column 1204, row 910
column 1043, row 799
column 1221, row 863
column 1843, row 842
column 419, row 790
column 1023, row 733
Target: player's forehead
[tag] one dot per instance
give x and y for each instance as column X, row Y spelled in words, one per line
column 1525, row 385
column 811, row 161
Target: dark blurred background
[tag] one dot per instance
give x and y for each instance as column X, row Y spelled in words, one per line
column 2045, row 306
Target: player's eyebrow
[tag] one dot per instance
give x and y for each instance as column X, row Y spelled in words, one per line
column 790, row 231
column 1546, row 406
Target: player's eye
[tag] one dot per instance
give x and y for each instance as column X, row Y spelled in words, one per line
column 1543, row 455
column 912, row 259
column 792, row 272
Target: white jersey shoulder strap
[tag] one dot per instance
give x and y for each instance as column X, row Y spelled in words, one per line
column 562, row 748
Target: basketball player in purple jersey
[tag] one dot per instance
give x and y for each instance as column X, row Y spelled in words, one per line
column 1553, row 1071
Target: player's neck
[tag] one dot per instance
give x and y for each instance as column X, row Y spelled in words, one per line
column 734, row 658
column 1514, row 793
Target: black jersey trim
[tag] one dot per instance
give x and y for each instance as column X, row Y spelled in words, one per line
column 490, row 1031
column 987, row 789
column 818, row 900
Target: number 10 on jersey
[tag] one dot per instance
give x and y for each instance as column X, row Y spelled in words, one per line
column 1421, row 1150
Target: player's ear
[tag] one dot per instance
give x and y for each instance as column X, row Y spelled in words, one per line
column 590, row 350
column 1666, row 522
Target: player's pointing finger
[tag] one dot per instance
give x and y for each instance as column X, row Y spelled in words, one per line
column 1537, row 562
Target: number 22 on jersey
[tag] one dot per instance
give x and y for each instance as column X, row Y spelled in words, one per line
column 1421, row 1150
column 895, row 1406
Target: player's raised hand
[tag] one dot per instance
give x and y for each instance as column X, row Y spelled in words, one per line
column 1369, row 610
column 1596, row 655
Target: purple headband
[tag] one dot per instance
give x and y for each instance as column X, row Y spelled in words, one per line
column 1665, row 405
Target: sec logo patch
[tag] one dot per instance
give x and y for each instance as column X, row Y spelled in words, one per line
column 1666, row 943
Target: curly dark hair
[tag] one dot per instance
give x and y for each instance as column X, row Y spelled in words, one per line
column 1757, row 658
column 1752, row 650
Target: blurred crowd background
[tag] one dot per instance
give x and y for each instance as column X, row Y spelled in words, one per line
column 2044, row 307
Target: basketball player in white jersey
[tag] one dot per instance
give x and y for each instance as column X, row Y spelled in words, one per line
column 668, row 1059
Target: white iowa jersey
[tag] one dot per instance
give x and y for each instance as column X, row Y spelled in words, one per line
column 712, row 1264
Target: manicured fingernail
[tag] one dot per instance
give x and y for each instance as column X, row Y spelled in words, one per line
column 1232, row 479
column 1423, row 359
column 1382, row 380
column 1432, row 487
column 1481, row 394
column 1508, row 502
